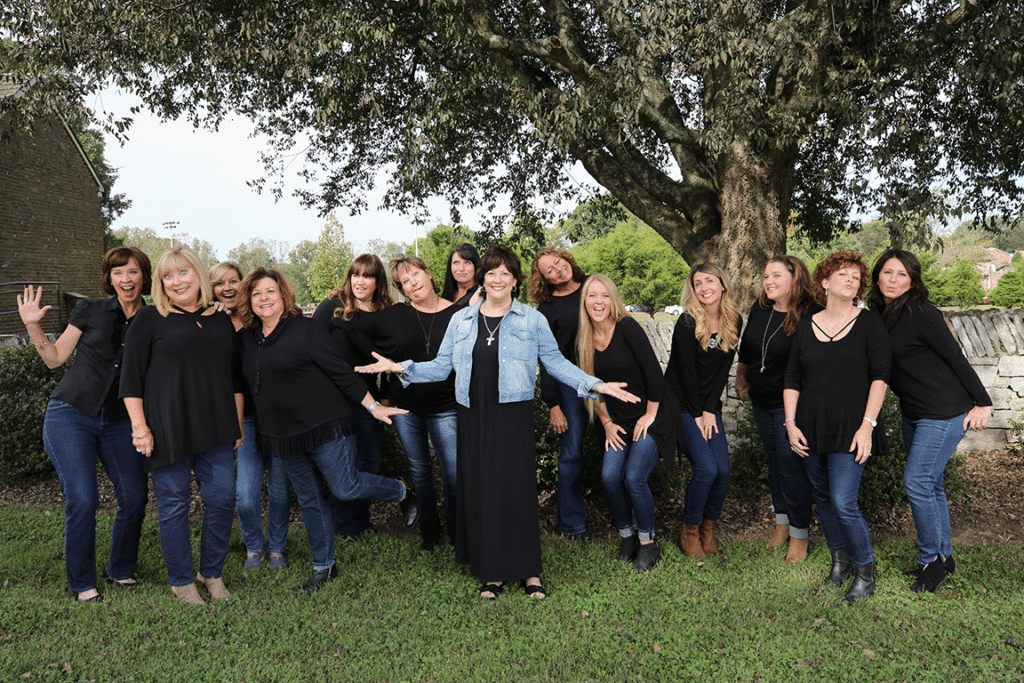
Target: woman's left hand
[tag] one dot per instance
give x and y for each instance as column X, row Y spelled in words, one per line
column 216, row 307
column 612, row 440
column 640, row 430
column 977, row 418
column 238, row 441
column 861, row 444
column 616, row 390
column 384, row 413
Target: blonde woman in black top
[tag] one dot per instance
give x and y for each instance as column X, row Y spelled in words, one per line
column 703, row 345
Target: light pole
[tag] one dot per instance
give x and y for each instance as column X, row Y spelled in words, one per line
column 171, row 226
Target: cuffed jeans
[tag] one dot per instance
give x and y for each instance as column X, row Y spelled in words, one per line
column 572, row 515
column 335, row 460
column 249, row 484
column 836, row 481
column 413, row 429
column 930, row 445
column 625, row 473
column 791, row 490
column 74, row 441
column 352, row 517
column 215, row 474
column 706, row 491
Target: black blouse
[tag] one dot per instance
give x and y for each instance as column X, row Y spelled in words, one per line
column 765, row 376
column 929, row 374
column 299, row 383
column 697, row 375
column 400, row 332
column 184, row 368
column 834, row 379
column 93, row 380
column 629, row 358
column 563, row 315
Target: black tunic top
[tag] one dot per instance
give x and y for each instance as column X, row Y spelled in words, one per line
column 400, row 332
column 299, row 384
column 563, row 315
column 698, row 375
column 929, row 373
column 765, row 376
column 184, row 368
column 324, row 313
column 834, row 379
column 629, row 358
column 93, row 380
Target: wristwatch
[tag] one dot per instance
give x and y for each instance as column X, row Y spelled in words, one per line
column 873, row 423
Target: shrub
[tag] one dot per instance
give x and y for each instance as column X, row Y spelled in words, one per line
column 547, row 451
column 25, row 387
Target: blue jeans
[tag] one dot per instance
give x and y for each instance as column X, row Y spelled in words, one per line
column 572, row 515
column 251, row 468
column 625, row 473
column 352, row 517
column 791, row 491
column 930, row 445
column 706, row 491
column 215, row 474
column 413, row 429
column 836, row 481
column 74, row 441
column 335, row 460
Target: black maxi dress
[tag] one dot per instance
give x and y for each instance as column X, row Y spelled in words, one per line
column 498, row 530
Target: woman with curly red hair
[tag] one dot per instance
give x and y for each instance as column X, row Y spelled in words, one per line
column 834, row 387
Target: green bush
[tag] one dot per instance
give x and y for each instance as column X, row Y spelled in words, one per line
column 882, row 484
column 25, row 387
column 547, row 451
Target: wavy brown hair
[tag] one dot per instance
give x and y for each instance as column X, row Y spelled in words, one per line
column 801, row 295
column 727, row 313
column 539, row 290
column 835, row 261
column 244, row 306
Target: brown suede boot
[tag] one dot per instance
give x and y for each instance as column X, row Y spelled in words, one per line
column 707, row 536
column 187, row 594
column 797, row 550
column 779, row 536
column 689, row 539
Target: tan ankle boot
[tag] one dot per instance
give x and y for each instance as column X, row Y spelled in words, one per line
column 689, row 539
column 187, row 594
column 779, row 536
column 707, row 536
column 797, row 550
column 215, row 586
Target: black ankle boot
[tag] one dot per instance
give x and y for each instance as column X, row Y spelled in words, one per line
column 863, row 585
column 628, row 548
column 647, row 556
column 430, row 532
column 842, row 567
column 931, row 577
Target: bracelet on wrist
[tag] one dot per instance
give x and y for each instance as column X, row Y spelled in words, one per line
column 792, row 419
column 136, row 437
column 373, row 406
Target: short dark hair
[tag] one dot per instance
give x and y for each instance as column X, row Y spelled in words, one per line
column 244, row 306
column 120, row 256
column 918, row 292
column 500, row 255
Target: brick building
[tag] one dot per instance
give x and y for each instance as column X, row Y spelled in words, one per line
column 51, row 228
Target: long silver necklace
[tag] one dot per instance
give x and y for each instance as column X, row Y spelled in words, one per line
column 764, row 344
column 490, row 332
column 426, row 333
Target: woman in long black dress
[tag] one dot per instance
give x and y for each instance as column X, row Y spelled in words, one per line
column 184, row 397
column 494, row 347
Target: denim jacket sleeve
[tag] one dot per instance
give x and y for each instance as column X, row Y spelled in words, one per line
column 556, row 364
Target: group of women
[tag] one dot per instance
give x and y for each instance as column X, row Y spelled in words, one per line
column 225, row 366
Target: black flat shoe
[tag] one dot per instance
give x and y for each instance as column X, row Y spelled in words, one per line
column 535, row 591
column 96, row 598
column 128, row 584
column 410, row 507
column 319, row 578
column 491, row 591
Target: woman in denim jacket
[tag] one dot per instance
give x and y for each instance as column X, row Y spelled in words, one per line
column 494, row 347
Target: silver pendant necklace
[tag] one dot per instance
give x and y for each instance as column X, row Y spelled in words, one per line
column 490, row 332
column 764, row 344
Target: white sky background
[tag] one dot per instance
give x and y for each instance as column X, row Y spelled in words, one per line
column 174, row 172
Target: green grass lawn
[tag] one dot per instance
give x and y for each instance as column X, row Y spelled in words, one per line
column 396, row 614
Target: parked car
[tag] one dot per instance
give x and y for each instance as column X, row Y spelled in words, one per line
column 674, row 310
column 636, row 308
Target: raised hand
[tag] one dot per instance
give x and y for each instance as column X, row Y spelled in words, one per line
column 28, row 305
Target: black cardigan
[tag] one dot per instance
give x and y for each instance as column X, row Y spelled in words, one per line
column 299, row 383
column 697, row 375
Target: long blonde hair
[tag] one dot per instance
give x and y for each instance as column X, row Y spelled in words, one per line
column 585, row 331
column 175, row 259
column 728, row 337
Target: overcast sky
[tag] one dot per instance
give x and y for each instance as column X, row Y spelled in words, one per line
column 174, row 172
